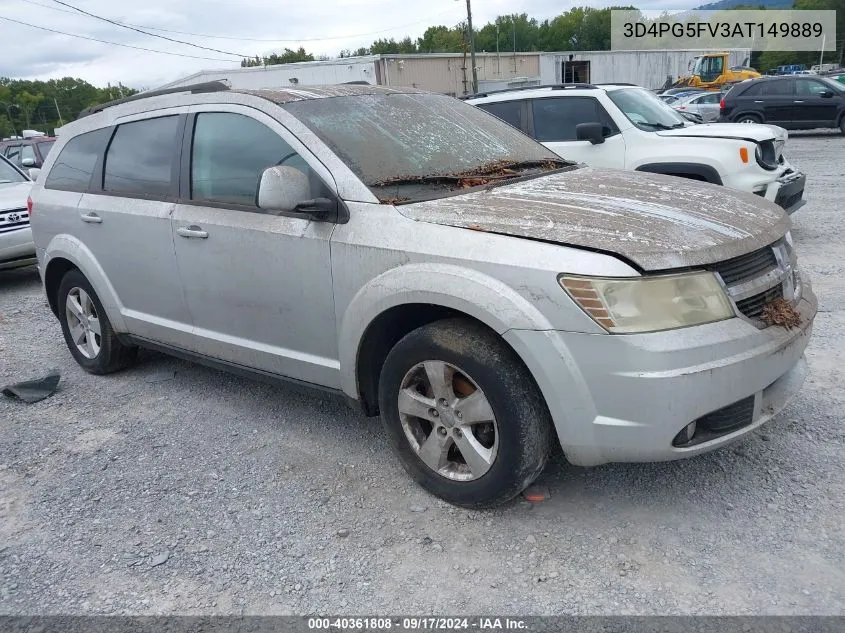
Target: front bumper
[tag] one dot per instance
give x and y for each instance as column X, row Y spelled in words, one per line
column 625, row 398
column 16, row 248
column 787, row 191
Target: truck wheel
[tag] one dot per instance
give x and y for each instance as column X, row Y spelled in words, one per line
column 748, row 118
column 842, row 123
column 464, row 414
column 88, row 333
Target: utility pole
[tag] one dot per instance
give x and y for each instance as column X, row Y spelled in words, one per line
column 498, row 59
column 59, row 112
column 472, row 49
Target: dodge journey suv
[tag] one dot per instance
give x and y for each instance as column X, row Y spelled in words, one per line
column 437, row 266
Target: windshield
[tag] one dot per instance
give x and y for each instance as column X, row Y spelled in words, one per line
column 645, row 110
column 385, row 139
column 9, row 174
column 835, row 85
column 44, row 147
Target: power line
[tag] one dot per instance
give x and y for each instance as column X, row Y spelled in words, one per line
column 132, row 28
column 250, row 39
column 94, row 39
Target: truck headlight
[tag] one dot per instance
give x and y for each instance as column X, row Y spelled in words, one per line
column 766, row 155
column 650, row 304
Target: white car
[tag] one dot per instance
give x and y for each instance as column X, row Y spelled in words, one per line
column 16, row 245
column 623, row 126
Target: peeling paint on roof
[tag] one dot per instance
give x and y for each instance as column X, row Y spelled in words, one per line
column 322, row 92
column 658, row 222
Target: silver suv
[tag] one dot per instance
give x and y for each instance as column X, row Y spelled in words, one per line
column 431, row 262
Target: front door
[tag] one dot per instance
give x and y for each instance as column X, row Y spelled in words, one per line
column 554, row 121
column 811, row 107
column 258, row 285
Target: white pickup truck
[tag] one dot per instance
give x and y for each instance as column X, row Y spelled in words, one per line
column 627, row 127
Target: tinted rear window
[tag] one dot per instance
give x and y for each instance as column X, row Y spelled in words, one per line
column 140, row 157
column 75, row 165
column 508, row 111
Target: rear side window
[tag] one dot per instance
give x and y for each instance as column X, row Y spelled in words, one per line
column 75, row 165
column 140, row 157
column 752, row 91
column 555, row 119
column 777, row 88
column 508, row 111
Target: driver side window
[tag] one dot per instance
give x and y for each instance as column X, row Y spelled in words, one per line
column 231, row 151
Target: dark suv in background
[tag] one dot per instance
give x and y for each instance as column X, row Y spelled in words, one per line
column 794, row 103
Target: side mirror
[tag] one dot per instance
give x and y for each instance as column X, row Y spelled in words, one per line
column 593, row 132
column 827, row 94
column 33, row 173
column 28, row 162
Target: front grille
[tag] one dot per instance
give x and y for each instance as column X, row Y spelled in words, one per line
column 13, row 220
column 746, row 266
column 752, row 307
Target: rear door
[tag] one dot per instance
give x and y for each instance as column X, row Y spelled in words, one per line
column 811, row 108
column 258, row 284
column 553, row 121
column 124, row 219
column 778, row 101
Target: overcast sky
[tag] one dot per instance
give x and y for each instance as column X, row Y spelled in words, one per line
column 322, row 26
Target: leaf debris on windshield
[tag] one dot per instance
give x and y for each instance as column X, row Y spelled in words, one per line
column 477, row 176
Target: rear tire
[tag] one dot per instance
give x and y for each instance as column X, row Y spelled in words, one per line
column 748, row 118
column 86, row 328
column 482, row 433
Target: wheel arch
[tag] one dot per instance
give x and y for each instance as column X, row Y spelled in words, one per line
column 401, row 300
column 65, row 253
column 697, row 171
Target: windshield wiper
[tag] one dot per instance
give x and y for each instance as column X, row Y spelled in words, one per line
column 481, row 175
column 663, row 126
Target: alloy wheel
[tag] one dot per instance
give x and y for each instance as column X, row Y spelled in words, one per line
column 448, row 421
column 83, row 322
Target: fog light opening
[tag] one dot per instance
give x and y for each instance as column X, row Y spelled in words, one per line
column 685, row 436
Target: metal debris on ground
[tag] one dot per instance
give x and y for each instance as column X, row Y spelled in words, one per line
column 35, row 389
column 780, row 312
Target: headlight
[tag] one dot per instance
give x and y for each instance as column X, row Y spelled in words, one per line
column 766, row 155
column 650, row 304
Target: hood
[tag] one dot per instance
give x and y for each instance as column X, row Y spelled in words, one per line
column 657, row 222
column 13, row 196
column 744, row 131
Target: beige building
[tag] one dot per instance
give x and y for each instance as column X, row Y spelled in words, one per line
column 450, row 73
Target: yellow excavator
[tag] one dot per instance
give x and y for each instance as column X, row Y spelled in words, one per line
column 711, row 72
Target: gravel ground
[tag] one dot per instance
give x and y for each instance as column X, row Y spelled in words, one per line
column 206, row 493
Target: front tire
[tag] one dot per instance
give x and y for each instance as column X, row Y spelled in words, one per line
column 86, row 328
column 464, row 414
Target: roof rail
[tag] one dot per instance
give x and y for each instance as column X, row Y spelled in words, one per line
column 577, row 86
column 208, row 86
column 616, row 83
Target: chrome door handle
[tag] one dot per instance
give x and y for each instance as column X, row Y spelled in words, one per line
column 91, row 218
column 192, row 231
column 758, row 102
column 798, row 102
